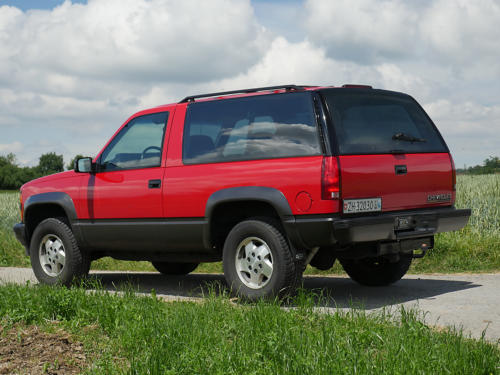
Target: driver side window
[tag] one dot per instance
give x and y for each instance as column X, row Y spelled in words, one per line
column 138, row 145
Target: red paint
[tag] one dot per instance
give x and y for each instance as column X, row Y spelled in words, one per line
column 371, row 176
column 187, row 188
column 303, row 201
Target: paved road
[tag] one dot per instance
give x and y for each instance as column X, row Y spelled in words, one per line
column 468, row 301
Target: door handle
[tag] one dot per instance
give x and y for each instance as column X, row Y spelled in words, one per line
column 400, row 169
column 154, row 184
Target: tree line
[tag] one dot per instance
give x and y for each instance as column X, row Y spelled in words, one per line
column 12, row 176
column 490, row 165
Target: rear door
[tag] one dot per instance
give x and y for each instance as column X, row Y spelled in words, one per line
column 391, row 155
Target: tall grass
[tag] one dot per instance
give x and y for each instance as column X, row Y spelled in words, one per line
column 472, row 249
column 477, row 246
column 11, row 251
column 482, row 194
column 219, row 337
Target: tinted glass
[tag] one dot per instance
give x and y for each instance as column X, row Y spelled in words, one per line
column 259, row 127
column 375, row 122
column 138, row 145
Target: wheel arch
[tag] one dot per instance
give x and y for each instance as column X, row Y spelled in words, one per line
column 246, row 202
column 42, row 206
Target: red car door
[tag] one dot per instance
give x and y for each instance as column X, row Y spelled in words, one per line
column 128, row 182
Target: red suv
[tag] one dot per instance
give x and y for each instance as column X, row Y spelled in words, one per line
column 267, row 180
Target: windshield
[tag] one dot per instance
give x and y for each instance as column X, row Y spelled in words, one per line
column 380, row 122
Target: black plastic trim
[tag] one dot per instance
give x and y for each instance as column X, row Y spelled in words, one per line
column 143, row 235
column 255, row 193
column 243, row 91
column 20, row 232
column 322, row 123
column 328, row 230
column 58, row 198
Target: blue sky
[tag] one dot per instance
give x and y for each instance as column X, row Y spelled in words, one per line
column 71, row 72
column 36, row 4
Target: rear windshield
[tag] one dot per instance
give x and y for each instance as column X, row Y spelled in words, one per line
column 380, row 122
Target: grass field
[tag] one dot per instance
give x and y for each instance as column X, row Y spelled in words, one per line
column 143, row 335
column 476, row 248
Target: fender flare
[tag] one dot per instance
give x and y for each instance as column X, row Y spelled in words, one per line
column 249, row 193
column 271, row 196
column 58, row 198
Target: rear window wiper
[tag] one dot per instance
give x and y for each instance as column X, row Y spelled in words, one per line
column 407, row 138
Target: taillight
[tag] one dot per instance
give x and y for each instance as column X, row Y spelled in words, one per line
column 330, row 179
column 453, row 175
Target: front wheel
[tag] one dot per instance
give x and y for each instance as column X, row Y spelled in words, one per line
column 258, row 262
column 55, row 255
column 377, row 271
column 169, row 268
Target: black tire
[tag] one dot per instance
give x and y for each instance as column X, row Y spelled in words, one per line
column 52, row 238
column 376, row 271
column 275, row 272
column 168, row 268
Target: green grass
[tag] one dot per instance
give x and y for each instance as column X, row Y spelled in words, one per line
column 216, row 336
column 11, row 251
column 476, row 248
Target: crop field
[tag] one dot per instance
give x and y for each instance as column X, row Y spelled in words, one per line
column 476, row 248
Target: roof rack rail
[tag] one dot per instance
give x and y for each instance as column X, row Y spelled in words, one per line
column 243, row 91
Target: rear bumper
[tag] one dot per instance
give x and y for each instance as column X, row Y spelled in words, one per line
column 322, row 230
column 20, row 232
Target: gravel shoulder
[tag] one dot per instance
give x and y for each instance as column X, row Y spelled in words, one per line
column 467, row 301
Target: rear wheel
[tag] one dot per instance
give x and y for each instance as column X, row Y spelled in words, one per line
column 258, row 262
column 377, row 271
column 55, row 255
column 170, row 268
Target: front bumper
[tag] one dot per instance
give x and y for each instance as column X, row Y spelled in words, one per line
column 320, row 230
column 20, row 232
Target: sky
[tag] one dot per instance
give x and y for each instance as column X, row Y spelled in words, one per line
column 71, row 72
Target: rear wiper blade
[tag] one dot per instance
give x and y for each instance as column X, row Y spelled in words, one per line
column 408, row 138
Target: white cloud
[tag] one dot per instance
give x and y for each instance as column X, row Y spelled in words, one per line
column 463, row 31
column 70, row 76
column 361, row 30
column 135, row 39
column 471, row 130
column 463, row 34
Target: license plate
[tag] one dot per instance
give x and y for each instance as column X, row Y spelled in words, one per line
column 362, row 205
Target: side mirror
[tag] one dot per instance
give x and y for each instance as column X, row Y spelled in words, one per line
column 83, row 165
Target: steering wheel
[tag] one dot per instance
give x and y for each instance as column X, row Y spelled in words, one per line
column 149, row 148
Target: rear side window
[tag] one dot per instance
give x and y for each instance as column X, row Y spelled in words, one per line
column 258, row 127
column 374, row 122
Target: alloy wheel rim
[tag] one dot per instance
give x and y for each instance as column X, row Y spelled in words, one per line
column 254, row 262
column 52, row 255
